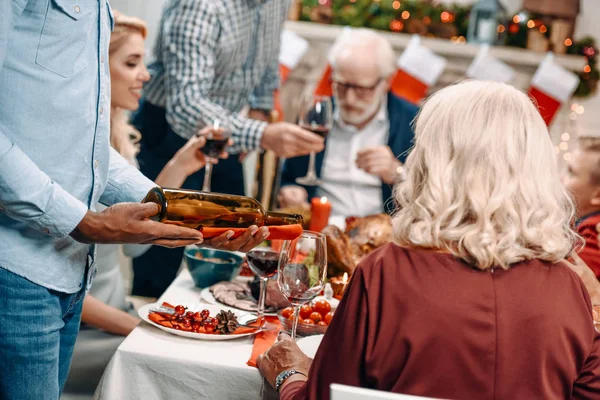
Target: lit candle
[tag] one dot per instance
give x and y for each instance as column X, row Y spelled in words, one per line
column 344, row 282
column 320, row 211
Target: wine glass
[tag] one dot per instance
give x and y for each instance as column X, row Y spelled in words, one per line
column 315, row 115
column 263, row 262
column 216, row 142
column 302, row 270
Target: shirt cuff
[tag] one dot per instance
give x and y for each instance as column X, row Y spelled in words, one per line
column 262, row 102
column 250, row 136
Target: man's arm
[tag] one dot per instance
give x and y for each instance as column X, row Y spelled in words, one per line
column 27, row 194
column 190, row 46
column 125, row 182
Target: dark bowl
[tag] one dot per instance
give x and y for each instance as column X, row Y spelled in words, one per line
column 209, row 266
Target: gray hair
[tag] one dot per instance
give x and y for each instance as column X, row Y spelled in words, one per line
column 364, row 42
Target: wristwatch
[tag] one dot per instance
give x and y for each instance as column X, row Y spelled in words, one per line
column 282, row 377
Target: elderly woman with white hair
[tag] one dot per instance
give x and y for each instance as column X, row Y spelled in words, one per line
column 473, row 300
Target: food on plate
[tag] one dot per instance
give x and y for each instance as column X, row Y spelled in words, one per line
column 327, row 318
column 287, row 312
column 317, row 313
column 224, row 323
column 315, row 317
column 346, row 248
column 305, row 311
column 322, row 307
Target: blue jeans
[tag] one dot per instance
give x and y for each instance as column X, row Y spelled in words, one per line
column 38, row 328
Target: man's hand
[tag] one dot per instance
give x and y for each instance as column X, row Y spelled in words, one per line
column 379, row 161
column 246, row 242
column 293, row 196
column 130, row 223
column 289, row 140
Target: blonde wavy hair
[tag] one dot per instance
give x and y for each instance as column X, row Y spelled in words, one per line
column 123, row 136
column 482, row 181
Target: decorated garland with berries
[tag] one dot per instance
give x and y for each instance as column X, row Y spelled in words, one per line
column 442, row 21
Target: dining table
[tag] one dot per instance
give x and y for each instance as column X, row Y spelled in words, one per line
column 154, row 364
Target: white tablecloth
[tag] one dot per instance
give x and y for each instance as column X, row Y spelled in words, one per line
column 152, row 364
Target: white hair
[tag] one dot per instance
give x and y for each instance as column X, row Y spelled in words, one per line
column 482, row 181
column 362, row 42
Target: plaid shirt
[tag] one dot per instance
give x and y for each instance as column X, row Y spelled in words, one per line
column 213, row 57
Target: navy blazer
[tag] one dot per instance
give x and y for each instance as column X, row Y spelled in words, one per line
column 401, row 113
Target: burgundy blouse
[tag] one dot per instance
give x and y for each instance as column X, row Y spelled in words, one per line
column 424, row 323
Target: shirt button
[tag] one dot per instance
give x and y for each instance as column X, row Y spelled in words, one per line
column 77, row 9
column 96, row 164
column 101, row 110
column 46, row 231
column 102, row 59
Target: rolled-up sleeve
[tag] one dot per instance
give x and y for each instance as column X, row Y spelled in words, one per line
column 190, row 47
column 125, row 182
column 28, row 195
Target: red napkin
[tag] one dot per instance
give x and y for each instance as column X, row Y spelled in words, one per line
column 264, row 340
column 282, row 232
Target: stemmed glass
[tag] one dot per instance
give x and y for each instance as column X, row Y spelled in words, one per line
column 216, row 142
column 302, row 270
column 315, row 115
column 263, row 262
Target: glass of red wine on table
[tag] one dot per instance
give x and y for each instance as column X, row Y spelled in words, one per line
column 216, row 142
column 302, row 270
column 263, row 262
column 315, row 115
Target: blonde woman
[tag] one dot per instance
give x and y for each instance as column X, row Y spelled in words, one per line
column 473, row 301
column 107, row 318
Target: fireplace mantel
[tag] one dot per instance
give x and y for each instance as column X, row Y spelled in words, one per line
column 459, row 56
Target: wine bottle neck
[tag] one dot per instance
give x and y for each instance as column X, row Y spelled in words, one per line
column 276, row 218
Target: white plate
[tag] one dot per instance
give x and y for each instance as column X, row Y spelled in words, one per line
column 243, row 317
column 208, row 297
column 310, row 344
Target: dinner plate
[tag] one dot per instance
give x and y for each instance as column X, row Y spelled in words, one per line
column 208, row 297
column 243, row 318
column 309, row 345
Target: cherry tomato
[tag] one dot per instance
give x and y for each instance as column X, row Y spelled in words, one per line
column 322, row 307
column 179, row 310
column 291, row 317
column 305, row 311
column 321, row 323
column 328, row 317
column 315, row 316
column 287, row 312
column 204, row 314
column 308, row 321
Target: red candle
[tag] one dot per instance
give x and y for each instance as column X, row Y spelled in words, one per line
column 320, row 210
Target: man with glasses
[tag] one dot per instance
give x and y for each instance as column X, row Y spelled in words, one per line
column 371, row 134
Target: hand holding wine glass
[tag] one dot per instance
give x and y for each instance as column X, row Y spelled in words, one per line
column 315, row 115
column 302, row 270
column 217, row 139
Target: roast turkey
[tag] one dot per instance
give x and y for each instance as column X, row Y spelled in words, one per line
column 346, row 248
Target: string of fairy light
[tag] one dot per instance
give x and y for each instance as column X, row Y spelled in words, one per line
column 570, row 131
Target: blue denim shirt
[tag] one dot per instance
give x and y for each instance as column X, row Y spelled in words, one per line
column 55, row 158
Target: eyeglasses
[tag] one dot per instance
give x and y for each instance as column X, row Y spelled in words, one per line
column 360, row 91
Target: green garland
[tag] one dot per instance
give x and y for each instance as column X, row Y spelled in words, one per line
column 436, row 20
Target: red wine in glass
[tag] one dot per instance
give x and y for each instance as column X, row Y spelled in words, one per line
column 322, row 131
column 263, row 262
column 214, row 147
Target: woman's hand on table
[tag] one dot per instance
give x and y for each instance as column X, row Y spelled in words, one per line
column 244, row 243
column 283, row 355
